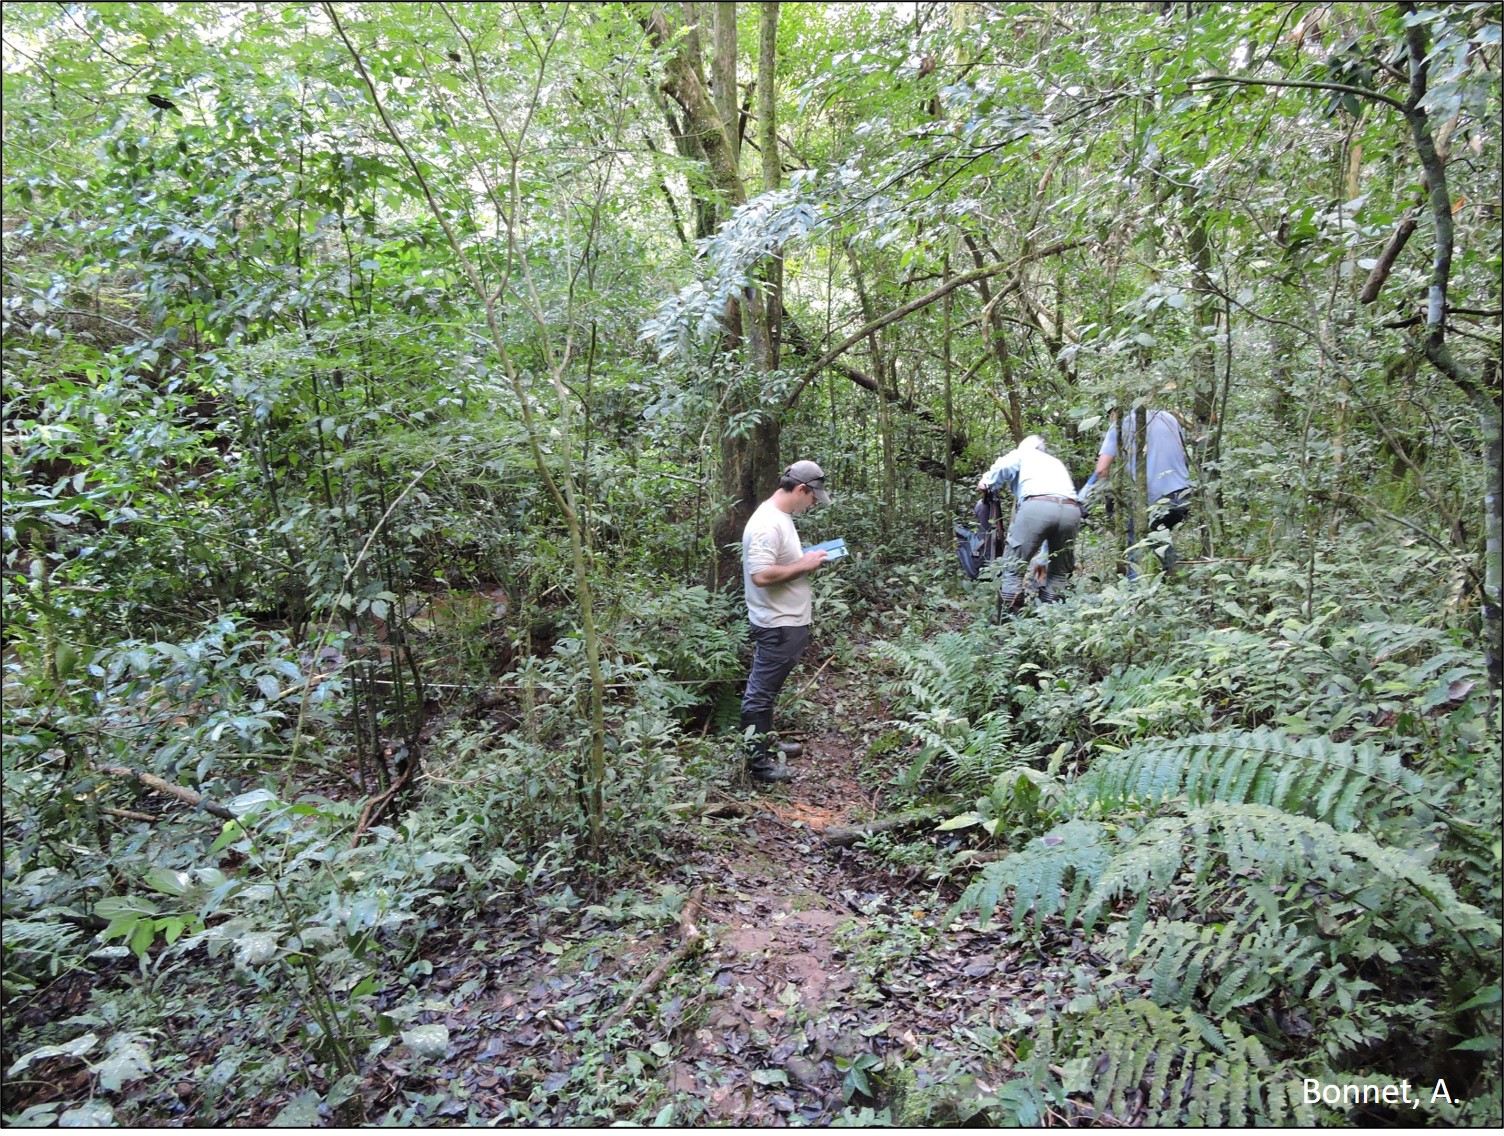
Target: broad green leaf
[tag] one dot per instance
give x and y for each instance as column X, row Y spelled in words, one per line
column 36, row 1116
column 255, row 947
column 229, row 833
column 249, row 802
column 1478, row 1045
column 428, row 1041
column 346, row 1088
column 129, row 1060
column 1488, row 996
column 92, row 1114
column 123, row 906
column 964, row 820
column 300, row 1112
column 168, row 882
column 75, row 1048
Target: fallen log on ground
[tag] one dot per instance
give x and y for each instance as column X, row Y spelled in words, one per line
column 845, row 835
column 182, row 793
column 721, row 810
column 127, row 814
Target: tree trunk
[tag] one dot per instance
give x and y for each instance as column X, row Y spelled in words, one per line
column 1141, row 473
column 1488, row 418
column 723, row 71
column 688, row 146
column 1203, row 358
column 749, row 454
column 950, row 417
column 890, row 467
column 1483, row 392
column 1014, row 410
column 886, row 370
column 767, row 89
column 749, row 472
column 1122, row 488
column 767, row 144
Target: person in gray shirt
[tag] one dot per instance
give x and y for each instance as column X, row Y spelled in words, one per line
column 1169, row 475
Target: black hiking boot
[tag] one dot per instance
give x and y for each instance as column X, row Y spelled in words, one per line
column 769, row 772
column 763, row 753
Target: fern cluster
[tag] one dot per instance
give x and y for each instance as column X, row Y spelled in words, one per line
column 1279, row 832
column 1138, row 1061
column 1347, row 786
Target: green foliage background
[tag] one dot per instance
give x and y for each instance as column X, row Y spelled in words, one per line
column 278, row 528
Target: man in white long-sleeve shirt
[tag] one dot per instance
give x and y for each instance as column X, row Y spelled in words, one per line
column 1048, row 511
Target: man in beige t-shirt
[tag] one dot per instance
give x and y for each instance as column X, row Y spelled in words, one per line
column 775, row 577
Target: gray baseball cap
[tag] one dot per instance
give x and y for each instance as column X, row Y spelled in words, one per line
column 808, row 473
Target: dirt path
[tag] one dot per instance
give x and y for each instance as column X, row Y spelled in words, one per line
column 818, row 964
column 828, row 959
column 783, row 925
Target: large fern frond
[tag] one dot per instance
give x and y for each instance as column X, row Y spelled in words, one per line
column 1143, row 1063
column 1249, row 844
column 1037, row 875
column 1343, row 785
column 938, row 674
column 1219, row 967
column 1262, row 842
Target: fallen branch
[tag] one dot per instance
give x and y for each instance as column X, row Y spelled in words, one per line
column 812, row 678
column 186, row 795
column 720, row 810
column 689, row 942
column 374, row 805
column 846, row 835
column 126, row 814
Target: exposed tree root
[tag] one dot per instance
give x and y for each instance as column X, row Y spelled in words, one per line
column 127, row 814
column 375, row 806
column 846, row 835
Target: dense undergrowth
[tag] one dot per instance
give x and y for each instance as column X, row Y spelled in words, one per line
column 1278, row 832
column 311, row 677
column 282, row 922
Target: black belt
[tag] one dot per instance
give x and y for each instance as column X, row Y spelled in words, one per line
column 1056, row 500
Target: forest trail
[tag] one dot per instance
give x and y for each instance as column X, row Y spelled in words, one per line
column 816, row 964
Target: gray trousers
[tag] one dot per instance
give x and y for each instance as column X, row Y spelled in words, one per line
column 1035, row 522
column 776, row 651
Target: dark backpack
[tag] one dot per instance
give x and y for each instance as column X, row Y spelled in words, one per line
column 980, row 546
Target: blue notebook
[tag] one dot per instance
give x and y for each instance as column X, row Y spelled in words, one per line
column 834, row 549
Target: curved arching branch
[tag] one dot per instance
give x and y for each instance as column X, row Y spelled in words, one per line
column 1310, row 84
column 925, row 301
